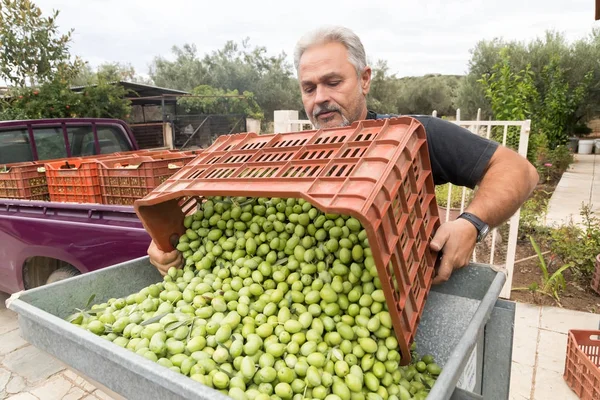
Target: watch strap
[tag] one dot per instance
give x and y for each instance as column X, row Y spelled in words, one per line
column 478, row 223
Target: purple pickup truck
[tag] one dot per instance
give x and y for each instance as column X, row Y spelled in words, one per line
column 43, row 242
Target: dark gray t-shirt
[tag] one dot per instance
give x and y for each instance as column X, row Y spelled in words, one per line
column 457, row 155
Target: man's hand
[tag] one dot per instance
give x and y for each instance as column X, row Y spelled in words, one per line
column 456, row 240
column 163, row 261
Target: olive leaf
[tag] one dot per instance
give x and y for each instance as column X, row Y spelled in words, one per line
column 92, row 297
column 175, row 324
column 96, row 311
column 281, row 261
column 426, row 383
column 245, row 203
column 337, row 353
column 225, row 372
column 73, row 317
column 154, row 319
column 191, row 328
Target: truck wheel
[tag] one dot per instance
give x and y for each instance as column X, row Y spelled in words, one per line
column 62, row 273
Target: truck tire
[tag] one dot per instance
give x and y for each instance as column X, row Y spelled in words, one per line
column 62, row 273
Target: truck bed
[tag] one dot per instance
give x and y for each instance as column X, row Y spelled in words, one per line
column 86, row 236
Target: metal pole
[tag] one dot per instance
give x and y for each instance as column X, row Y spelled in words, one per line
column 198, row 128
column 234, row 126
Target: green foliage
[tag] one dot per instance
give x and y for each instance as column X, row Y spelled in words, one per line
column 533, row 213
column 411, row 95
column 31, row 49
column 471, row 97
column 271, row 79
column 550, row 285
column 551, row 164
column 559, row 102
column 566, row 77
column 104, row 100
column 54, row 99
column 234, row 67
column 512, row 94
column 108, row 72
column 385, row 88
column 441, row 194
column 578, row 245
column 210, row 100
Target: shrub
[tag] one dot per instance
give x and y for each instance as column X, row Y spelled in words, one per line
column 55, row 99
column 533, row 213
column 551, row 164
column 578, row 245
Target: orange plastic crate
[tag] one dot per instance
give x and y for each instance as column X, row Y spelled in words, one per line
column 596, row 277
column 26, row 181
column 74, row 181
column 124, row 180
column 582, row 365
column 376, row 171
column 142, row 152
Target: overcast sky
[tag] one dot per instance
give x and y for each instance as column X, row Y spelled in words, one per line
column 433, row 36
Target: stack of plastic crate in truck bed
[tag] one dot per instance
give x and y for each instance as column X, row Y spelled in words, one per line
column 375, row 171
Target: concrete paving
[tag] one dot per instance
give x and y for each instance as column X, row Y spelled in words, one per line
column 538, row 359
column 578, row 185
column 539, row 351
column 27, row 373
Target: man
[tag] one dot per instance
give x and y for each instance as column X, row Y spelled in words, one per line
column 335, row 80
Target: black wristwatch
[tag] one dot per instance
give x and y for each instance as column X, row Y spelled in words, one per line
column 482, row 228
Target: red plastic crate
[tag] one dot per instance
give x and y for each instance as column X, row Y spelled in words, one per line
column 376, row 171
column 25, row 181
column 74, row 181
column 582, row 365
column 124, row 180
column 596, row 277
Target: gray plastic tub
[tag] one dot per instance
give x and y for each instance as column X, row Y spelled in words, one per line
column 464, row 325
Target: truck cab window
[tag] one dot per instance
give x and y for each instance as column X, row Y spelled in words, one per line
column 81, row 140
column 50, row 143
column 111, row 140
column 15, row 146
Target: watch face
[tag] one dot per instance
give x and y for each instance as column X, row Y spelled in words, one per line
column 484, row 232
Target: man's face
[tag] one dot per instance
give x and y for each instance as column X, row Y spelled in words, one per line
column 332, row 93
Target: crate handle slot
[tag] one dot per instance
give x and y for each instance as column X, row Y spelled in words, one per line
column 68, row 166
column 175, row 165
column 594, row 336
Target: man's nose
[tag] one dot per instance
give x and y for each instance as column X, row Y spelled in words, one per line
column 322, row 95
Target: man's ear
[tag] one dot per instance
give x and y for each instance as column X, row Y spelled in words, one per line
column 365, row 80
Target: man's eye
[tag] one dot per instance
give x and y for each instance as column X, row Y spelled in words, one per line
column 334, row 83
column 308, row 89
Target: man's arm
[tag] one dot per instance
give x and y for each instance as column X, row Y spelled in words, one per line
column 504, row 180
column 507, row 183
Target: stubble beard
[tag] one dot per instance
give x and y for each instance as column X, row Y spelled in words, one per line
column 318, row 109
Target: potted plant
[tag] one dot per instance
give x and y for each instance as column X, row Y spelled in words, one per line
column 583, row 145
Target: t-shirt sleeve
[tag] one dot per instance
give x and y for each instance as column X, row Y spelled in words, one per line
column 457, row 155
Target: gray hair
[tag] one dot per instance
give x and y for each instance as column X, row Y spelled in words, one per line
column 328, row 34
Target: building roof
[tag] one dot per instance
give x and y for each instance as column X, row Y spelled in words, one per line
column 146, row 94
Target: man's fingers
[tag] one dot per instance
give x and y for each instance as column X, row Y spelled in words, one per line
column 444, row 272
column 164, row 261
column 162, row 257
column 440, row 238
column 159, row 267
